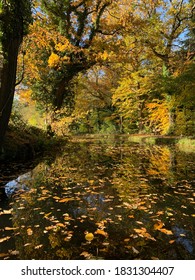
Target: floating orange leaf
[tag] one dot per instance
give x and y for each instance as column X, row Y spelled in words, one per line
column 158, row 226
column 65, row 199
column 101, row 232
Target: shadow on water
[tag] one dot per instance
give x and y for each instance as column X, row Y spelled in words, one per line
column 136, row 201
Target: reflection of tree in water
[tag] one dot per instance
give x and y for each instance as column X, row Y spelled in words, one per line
column 108, row 190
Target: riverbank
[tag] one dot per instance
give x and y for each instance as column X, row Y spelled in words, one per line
column 27, row 144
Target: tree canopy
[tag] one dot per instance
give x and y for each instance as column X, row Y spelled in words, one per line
column 112, row 65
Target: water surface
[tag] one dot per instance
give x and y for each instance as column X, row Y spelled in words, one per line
column 136, row 200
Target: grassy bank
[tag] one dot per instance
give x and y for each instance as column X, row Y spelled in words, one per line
column 186, row 145
column 27, row 143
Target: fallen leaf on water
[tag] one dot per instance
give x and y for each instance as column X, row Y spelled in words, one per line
column 154, row 258
column 38, row 246
column 7, row 212
column 29, row 231
column 89, row 236
column 171, row 241
column 143, row 233
column 4, row 239
column 60, row 225
column 135, row 250
column 101, row 232
column 158, row 225
column 2, row 255
column 126, row 239
column 42, row 198
column 137, row 230
column 65, row 199
column 14, row 253
column 86, row 255
column 166, row 231
column 27, row 244
column 56, row 197
column 10, row 228
column 160, row 213
column 105, row 243
column 131, row 216
column 138, row 222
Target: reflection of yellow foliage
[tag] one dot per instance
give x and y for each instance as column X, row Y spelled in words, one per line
column 63, row 47
column 160, row 162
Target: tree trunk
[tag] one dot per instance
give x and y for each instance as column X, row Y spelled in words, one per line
column 7, row 85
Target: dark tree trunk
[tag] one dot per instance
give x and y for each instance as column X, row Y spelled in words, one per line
column 7, row 84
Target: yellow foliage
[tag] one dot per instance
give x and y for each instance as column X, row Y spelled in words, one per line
column 53, row 60
column 25, row 96
column 62, row 47
column 159, row 116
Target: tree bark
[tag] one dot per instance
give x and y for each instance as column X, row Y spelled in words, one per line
column 7, row 84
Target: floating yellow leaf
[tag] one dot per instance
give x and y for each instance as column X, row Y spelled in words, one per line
column 89, row 236
column 171, row 241
column 29, row 231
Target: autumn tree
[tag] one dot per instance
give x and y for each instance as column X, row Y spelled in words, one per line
column 68, row 36
column 15, row 17
column 157, row 28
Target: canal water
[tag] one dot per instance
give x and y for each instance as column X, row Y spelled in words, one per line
column 102, row 199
